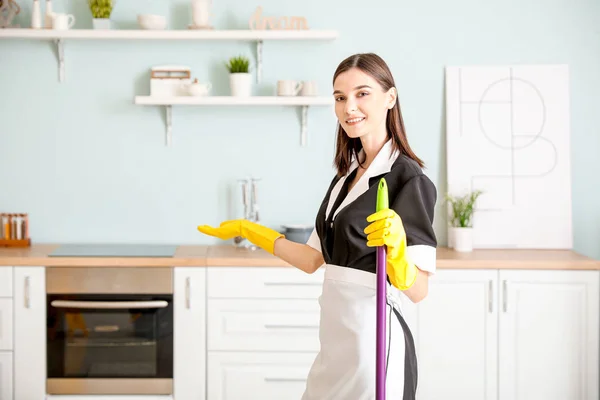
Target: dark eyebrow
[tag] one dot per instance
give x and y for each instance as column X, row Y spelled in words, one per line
column 356, row 88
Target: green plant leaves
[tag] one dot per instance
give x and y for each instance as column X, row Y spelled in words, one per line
column 101, row 8
column 238, row 64
column 462, row 208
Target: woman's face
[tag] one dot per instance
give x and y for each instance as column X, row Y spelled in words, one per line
column 361, row 105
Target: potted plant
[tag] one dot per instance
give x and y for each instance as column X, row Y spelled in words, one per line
column 461, row 220
column 240, row 80
column 101, row 11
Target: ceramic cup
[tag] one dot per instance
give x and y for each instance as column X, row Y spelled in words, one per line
column 309, row 88
column 288, row 88
column 62, row 22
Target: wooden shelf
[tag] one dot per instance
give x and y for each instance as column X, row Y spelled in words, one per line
column 257, row 36
column 291, row 101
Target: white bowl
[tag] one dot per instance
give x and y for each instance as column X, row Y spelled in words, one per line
column 152, row 22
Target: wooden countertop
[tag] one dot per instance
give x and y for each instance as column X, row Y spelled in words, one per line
column 224, row 255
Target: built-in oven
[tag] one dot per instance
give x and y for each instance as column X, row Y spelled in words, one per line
column 109, row 330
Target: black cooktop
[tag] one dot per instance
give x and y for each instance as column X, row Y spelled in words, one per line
column 114, row 250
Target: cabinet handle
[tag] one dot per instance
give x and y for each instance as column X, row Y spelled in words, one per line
column 504, row 296
column 26, row 295
column 187, row 293
column 491, row 296
column 285, row 379
column 274, row 326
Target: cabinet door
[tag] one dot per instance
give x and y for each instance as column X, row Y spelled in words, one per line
column 6, row 375
column 189, row 366
column 30, row 333
column 549, row 335
column 264, row 376
column 455, row 331
column 6, row 324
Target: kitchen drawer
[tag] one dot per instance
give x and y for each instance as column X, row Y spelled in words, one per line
column 6, row 324
column 263, row 282
column 264, row 376
column 6, row 281
column 6, row 375
column 263, row 325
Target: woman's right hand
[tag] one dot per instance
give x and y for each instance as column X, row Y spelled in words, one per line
column 260, row 235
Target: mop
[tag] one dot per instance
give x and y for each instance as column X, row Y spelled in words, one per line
column 382, row 203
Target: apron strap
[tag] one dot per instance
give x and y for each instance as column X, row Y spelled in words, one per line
column 410, row 361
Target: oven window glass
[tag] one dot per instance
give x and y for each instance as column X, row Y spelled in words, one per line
column 110, row 336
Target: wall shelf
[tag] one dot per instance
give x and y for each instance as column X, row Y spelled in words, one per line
column 292, row 101
column 258, row 36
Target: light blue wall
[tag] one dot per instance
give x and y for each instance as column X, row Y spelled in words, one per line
column 88, row 165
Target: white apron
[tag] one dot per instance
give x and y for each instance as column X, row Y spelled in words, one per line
column 344, row 369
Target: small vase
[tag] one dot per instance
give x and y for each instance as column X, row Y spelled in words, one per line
column 462, row 239
column 102, row 23
column 241, row 84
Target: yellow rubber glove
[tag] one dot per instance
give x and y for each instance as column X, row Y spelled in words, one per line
column 386, row 228
column 260, row 235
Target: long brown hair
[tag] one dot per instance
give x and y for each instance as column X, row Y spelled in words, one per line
column 347, row 147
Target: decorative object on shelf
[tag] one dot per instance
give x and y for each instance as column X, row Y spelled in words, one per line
column 240, row 80
column 201, row 14
column 62, row 22
column 101, row 11
column 152, row 22
column 461, row 220
column 288, row 88
column 199, row 89
column 258, row 22
column 48, row 18
column 9, row 9
column 309, row 88
column 14, row 230
column 170, row 80
column 36, row 15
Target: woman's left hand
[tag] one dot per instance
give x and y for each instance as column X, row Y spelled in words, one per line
column 386, row 228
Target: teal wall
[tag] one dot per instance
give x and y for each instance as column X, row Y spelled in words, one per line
column 88, row 165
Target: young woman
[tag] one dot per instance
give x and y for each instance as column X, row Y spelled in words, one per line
column 371, row 143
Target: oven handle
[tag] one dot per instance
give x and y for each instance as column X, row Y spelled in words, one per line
column 109, row 304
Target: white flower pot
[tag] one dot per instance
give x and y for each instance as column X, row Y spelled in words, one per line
column 241, row 84
column 101, row 23
column 462, row 239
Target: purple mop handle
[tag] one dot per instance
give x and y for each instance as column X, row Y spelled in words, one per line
column 381, row 308
column 381, row 272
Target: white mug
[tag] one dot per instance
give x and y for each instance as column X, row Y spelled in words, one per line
column 288, row 88
column 309, row 88
column 62, row 22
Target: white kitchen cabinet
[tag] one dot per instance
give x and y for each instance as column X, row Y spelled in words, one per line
column 260, row 375
column 263, row 325
column 6, row 375
column 262, row 331
column 29, row 333
column 6, row 324
column 508, row 335
column 189, row 364
column 6, row 281
column 548, row 336
column 455, row 333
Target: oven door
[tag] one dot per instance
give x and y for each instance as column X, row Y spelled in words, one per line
column 110, row 343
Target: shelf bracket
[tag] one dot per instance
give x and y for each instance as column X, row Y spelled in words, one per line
column 303, row 126
column 259, row 48
column 169, row 124
column 60, row 54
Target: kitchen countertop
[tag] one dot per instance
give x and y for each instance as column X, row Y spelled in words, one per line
column 225, row 255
